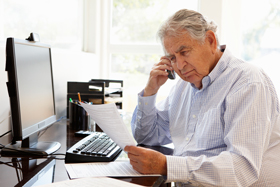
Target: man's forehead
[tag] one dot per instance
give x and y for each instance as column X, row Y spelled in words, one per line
column 177, row 49
column 173, row 44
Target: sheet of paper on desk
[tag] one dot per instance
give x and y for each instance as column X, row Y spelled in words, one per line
column 110, row 121
column 89, row 182
column 102, row 169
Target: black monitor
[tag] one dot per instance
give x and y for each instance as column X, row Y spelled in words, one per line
column 31, row 92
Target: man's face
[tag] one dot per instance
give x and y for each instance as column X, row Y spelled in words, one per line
column 190, row 59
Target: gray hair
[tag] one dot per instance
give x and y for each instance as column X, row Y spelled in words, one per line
column 192, row 22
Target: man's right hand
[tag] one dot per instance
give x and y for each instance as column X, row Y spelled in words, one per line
column 158, row 76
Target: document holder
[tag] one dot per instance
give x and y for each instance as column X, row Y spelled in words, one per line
column 95, row 91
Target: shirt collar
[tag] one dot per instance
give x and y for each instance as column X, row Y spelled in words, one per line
column 218, row 69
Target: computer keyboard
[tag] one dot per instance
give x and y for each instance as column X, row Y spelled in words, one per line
column 96, row 147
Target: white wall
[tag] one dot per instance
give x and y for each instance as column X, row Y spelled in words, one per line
column 71, row 66
column 67, row 66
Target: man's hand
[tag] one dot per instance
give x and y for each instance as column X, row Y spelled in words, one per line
column 158, row 76
column 146, row 161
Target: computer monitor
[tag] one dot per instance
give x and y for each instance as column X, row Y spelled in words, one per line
column 31, row 92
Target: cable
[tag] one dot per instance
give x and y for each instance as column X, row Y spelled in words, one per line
column 60, row 118
column 7, row 163
column 34, row 154
column 29, row 153
column 20, row 166
column 5, row 133
column 43, row 131
column 16, row 166
column 19, row 161
column 2, row 146
column 58, row 154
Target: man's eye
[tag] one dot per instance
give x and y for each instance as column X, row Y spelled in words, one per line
column 185, row 53
column 172, row 59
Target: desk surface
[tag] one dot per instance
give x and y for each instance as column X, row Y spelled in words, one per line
column 11, row 176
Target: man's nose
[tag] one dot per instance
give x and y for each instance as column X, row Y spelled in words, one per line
column 180, row 61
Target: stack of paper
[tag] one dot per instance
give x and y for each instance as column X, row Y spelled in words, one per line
column 99, row 169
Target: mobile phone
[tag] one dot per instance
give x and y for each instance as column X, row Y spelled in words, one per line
column 171, row 74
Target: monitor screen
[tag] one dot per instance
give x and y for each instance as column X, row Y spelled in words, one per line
column 35, row 88
column 30, row 88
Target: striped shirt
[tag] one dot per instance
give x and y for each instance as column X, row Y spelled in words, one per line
column 225, row 134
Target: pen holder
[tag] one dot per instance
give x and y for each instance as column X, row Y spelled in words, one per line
column 79, row 119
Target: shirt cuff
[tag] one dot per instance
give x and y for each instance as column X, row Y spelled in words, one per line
column 146, row 103
column 177, row 170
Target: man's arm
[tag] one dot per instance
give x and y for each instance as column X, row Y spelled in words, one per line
column 150, row 124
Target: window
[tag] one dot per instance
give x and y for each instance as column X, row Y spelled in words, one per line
column 130, row 48
column 59, row 23
column 260, row 36
column 261, row 27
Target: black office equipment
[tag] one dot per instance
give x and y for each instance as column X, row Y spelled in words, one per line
column 96, row 147
column 79, row 119
column 31, row 92
column 33, row 37
column 95, row 91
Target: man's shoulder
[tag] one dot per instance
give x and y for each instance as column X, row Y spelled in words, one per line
column 240, row 74
column 241, row 69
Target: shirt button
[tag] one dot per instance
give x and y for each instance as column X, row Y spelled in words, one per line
column 194, row 116
column 146, row 103
column 139, row 103
column 187, row 139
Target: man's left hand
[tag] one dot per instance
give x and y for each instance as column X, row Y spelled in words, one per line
column 146, row 161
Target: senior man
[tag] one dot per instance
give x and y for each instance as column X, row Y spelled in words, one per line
column 222, row 115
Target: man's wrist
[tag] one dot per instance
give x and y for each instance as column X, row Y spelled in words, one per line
column 164, row 167
column 148, row 92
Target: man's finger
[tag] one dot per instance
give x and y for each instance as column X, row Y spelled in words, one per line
column 133, row 157
column 129, row 148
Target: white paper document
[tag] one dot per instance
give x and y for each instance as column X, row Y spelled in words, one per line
column 90, row 182
column 99, row 169
column 110, row 121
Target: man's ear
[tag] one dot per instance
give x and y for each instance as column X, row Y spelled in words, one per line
column 212, row 40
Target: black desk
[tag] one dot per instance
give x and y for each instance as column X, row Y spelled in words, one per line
column 31, row 170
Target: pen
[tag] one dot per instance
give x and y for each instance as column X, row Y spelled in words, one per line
column 79, row 97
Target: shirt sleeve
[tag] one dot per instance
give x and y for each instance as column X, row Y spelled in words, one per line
column 248, row 122
column 150, row 125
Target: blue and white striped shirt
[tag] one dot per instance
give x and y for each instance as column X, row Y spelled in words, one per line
column 225, row 134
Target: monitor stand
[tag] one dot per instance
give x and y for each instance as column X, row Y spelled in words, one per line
column 30, row 147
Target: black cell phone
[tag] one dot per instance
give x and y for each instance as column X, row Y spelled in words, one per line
column 171, row 74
